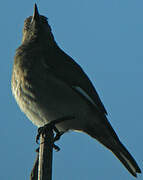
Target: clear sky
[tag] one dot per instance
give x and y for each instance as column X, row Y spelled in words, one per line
column 106, row 38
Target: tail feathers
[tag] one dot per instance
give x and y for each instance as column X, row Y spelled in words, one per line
column 126, row 158
column 109, row 139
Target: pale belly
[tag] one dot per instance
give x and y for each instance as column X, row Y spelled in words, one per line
column 51, row 102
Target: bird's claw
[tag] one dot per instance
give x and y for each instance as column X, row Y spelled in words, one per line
column 51, row 125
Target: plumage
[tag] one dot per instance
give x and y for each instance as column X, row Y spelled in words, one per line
column 48, row 84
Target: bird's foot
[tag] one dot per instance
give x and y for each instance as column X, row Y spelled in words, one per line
column 51, row 125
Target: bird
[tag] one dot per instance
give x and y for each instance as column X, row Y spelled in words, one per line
column 48, row 84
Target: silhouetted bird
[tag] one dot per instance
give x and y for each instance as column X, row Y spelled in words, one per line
column 48, row 84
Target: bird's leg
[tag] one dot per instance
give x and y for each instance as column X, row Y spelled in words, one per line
column 44, row 129
column 58, row 134
column 52, row 125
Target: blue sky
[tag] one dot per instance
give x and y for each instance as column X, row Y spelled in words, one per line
column 106, row 39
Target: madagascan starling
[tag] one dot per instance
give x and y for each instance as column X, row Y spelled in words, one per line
column 48, row 84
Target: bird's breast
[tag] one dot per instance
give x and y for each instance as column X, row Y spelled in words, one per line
column 45, row 97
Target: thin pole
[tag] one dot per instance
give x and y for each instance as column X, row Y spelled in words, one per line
column 46, row 155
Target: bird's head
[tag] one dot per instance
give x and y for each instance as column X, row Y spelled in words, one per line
column 36, row 27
